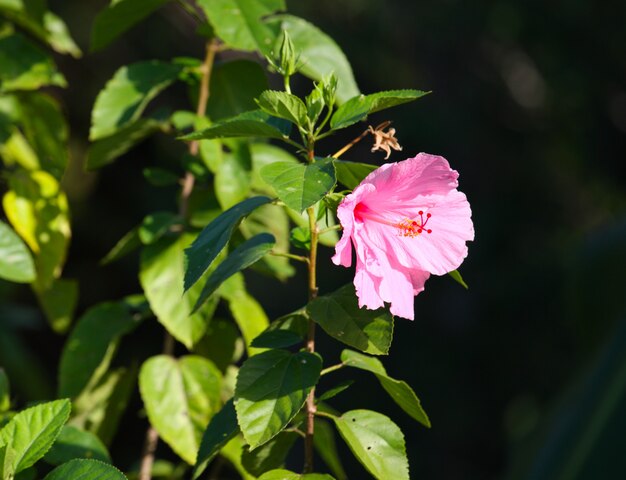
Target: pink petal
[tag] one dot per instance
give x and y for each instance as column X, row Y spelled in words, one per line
column 399, row 183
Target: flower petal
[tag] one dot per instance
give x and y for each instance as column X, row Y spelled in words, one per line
column 400, row 183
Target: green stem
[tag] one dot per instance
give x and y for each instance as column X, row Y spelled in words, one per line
column 330, row 229
column 287, row 84
column 298, row 258
column 323, row 124
column 332, row 368
column 324, row 414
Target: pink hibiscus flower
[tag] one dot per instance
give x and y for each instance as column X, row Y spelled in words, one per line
column 406, row 221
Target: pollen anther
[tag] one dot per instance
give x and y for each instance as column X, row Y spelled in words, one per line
column 412, row 228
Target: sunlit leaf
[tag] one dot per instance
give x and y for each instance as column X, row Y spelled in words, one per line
column 25, row 66
column 127, row 94
column 233, row 174
column 271, row 388
column 298, row 185
column 85, row 470
column 38, row 210
column 376, row 442
column 180, row 395
column 283, row 105
column 16, row 261
column 94, row 338
column 247, row 312
column 31, row 433
column 238, row 22
column 161, row 273
column 359, row 107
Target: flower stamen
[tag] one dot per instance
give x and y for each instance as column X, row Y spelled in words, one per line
column 414, row 227
column 407, row 227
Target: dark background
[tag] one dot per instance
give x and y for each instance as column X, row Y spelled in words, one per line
column 524, row 374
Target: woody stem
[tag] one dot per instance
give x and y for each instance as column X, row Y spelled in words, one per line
column 310, row 344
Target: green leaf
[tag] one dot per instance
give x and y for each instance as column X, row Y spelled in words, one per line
column 269, row 455
column 254, row 123
column 212, row 240
column 85, row 470
column 398, row 390
column 221, row 429
column 58, row 300
column 265, row 154
column 359, row 107
column 5, row 398
column 288, row 475
column 271, row 388
column 458, row 278
column 46, row 130
column 38, row 210
column 232, row 452
column 155, row 225
column 319, row 54
column 99, row 408
column 326, row 446
column 125, row 245
column 221, row 343
column 283, row 332
column 284, row 105
column 161, row 274
column 338, row 313
column 106, row 150
column 94, row 338
column 240, row 258
column 300, row 186
column 180, row 395
column 58, row 36
column 45, row 25
column 25, row 66
column 160, row 177
column 127, row 94
column 232, row 177
column 351, row 174
column 238, row 22
column 16, row 262
column 272, row 219
column 247, row 312
column 75, row 443
column 32, row 432
column 118, row 17
column 376, row 442
column 333, row 392
column 234, row 86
